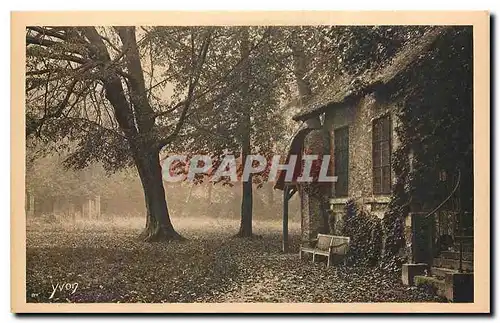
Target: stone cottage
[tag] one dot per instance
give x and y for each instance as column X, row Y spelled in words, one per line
column 355, row 121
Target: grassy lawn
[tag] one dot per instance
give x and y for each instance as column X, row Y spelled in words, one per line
column 110, row 264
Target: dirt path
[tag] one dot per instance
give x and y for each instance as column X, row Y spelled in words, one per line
column 264, row 286
column 270, row 276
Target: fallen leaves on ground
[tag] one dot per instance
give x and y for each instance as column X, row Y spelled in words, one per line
column 110, row 264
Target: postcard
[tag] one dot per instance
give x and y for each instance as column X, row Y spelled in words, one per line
column 230, row 162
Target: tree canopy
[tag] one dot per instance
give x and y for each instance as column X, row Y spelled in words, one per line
column 119, row 95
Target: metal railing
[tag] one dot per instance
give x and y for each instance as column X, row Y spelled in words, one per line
column 461, row 230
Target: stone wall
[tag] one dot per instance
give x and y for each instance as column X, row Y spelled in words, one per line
column 359, row 117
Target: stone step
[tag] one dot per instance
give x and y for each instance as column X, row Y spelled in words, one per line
column 438, row 285
column 466, row 247
column 455, row 287
column 441, row 272
column 456, row 255
column 453, row 264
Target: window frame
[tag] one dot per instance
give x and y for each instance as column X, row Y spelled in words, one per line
column 345, row 150
column 384, row 188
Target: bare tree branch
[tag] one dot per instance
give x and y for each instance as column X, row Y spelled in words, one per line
column 192, row 85
column 49, row 32
column 57, row 111
column 58, row 56
column 108, row 41
column 113, row 85
column 98, row 125
column 138, row 95
column 225, row 76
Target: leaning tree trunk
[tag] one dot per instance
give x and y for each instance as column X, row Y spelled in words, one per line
column 136, row 119
column 158, row 225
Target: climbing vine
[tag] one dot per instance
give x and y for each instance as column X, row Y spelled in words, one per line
column 435, row 129
column 365, row 231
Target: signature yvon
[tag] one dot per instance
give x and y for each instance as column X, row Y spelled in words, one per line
column 63, row 286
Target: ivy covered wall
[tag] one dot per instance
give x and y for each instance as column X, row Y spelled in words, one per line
column 436, row 130
column 431, row 108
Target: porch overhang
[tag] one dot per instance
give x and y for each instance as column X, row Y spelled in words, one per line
column 296, row 146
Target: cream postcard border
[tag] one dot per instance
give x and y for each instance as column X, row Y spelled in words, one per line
column 480, row 20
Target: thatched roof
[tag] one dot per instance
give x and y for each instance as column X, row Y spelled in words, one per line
column 344, row 88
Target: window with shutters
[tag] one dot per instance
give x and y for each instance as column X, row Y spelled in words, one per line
column 341, row 157
column 381, row 155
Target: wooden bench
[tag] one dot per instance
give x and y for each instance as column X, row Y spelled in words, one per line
column 328, row 245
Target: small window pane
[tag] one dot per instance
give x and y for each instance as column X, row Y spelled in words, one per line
column 386, row 180
column 386, row 153
column 386, row 128
column 376, row 131
column 381, row 155
column 377, row 180
column 376, row 155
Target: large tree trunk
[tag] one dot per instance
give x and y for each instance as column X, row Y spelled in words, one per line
column 137, row 124
column 246, row 202
column 247, row 196
column 158, row 225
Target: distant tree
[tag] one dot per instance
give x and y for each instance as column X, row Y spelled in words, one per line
column 247, row 120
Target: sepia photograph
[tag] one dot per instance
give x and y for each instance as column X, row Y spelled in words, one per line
column 306, row 161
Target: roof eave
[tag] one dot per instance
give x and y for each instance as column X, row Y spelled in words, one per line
column 349, row 99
